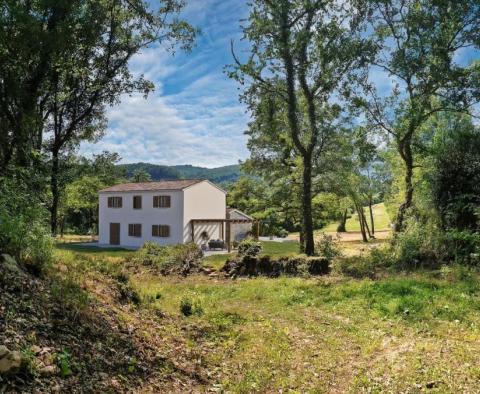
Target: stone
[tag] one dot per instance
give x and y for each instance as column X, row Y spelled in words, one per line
column 3, row 351
column 47, row 370
column 36, row 349
column 11, row 360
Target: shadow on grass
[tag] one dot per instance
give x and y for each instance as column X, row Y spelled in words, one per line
column 94, row 249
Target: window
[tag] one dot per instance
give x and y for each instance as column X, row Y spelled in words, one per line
column 137, row 202
column 114, row 202
column 161, row 201
column 160, row 230
column 134, row 230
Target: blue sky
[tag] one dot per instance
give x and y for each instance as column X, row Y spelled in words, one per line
column 194, row 116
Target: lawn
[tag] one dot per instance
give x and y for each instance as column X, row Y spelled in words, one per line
column 94, row 250
column 270, row 248
column 402, row 333
column 380, row 219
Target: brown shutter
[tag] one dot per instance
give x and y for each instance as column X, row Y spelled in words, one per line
column 164, row 231
column 110, row 202
column 161, row 201
column 134, row 230
column 137, row 202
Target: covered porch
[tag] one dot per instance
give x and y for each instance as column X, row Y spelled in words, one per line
column 225, row 228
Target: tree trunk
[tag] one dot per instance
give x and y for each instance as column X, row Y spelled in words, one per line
column 406, row 154
column 307, row 206
column 55, row 192
column 362, row 224
column 372, row 223
column 366, row 223
column 342, row 226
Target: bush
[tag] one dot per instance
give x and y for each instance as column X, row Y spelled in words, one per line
column 23, row 233
column 367, row 266
column 431, row 247
column 249, row 248
column 177, row 259
column 327, row 247
column 189, row 307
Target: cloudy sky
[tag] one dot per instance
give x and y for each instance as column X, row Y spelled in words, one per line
column 194, row 116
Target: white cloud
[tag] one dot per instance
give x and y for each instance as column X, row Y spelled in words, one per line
column 194, row 116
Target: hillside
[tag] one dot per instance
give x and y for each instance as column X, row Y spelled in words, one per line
column 221, row 175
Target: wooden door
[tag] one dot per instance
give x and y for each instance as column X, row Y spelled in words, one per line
column 114, row 233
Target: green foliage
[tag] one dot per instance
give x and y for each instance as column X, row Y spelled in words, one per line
column 64, row 362
column 190, row 306
column 141, row 176
column 366, row 266
column 249, row 248
column 180, row 259
column 454, row 177
column 327, row 247
column 430, row 247
column 222, row 175
column 23, row 233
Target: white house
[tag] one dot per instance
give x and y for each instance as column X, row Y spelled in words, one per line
column 133, row 213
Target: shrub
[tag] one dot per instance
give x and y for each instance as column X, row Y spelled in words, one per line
column 327, row 247
column 430, row 247
column 189, row 307
column 179, row 259
column 366, row 266
column 249, row 248
column 23, row 233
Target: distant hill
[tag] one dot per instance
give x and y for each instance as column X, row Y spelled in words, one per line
column 221, row 175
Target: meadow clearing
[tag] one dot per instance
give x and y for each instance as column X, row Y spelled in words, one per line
column 400, row 332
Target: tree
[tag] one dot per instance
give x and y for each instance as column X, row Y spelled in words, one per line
column 82, row 196
column 302, row 56
column 417, row 42
column 454, row 174
column 89, row 69
column 141, row 176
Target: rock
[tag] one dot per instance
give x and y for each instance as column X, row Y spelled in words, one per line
column 47, row 370
column 10, row 360
column 10, row 264
column 3, row 351
column 36, row 349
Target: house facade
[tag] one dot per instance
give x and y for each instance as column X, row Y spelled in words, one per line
column 131, row 214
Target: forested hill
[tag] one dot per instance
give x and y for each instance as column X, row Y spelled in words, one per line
column 220, row 175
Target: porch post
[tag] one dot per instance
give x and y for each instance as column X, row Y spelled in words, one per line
column 192, row 225
column 229, row 247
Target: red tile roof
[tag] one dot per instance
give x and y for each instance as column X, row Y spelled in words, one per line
column 153, row 186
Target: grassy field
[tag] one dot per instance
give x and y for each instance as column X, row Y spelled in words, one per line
column 269, row 248
column 380, row 218
column 403, row 333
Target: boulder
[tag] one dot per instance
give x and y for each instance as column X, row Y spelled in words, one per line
column 9, row 360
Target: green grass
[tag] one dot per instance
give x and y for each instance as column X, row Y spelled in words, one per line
column 94, row 250
column 278, row 334
column 380, row 218
column 286, row 248
column 400, row 333
column 270, row 248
